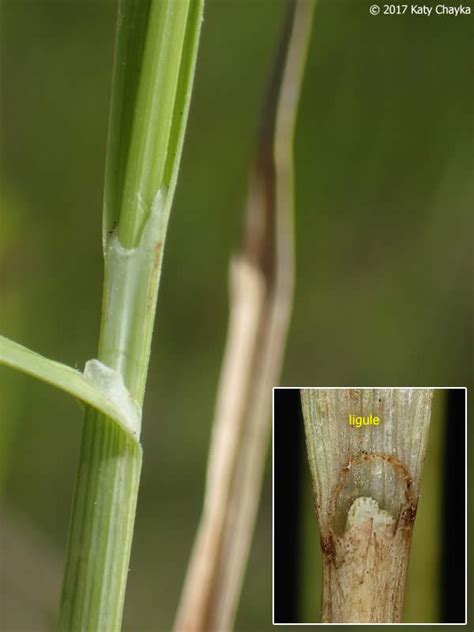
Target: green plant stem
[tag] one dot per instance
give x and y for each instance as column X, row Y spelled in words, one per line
column 147, row 138
column 150, row 102
column 101, row 528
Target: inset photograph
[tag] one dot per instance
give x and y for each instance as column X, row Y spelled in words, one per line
column 369, row 505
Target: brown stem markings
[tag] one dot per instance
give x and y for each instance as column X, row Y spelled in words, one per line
column 261, row 286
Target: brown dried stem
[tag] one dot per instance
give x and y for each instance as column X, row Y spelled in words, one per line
column 261, row 290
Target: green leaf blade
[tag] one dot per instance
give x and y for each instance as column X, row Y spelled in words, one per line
column 67, row 379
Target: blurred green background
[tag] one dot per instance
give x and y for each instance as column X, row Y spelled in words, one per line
column 384, row 239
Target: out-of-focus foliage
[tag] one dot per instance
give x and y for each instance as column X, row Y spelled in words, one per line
column 12, row 265
column 383, row 232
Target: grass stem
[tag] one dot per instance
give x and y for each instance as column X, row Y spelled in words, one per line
column 155, row 59
column 261, row 285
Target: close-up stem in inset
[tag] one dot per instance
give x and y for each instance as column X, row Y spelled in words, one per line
column 366, row 449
